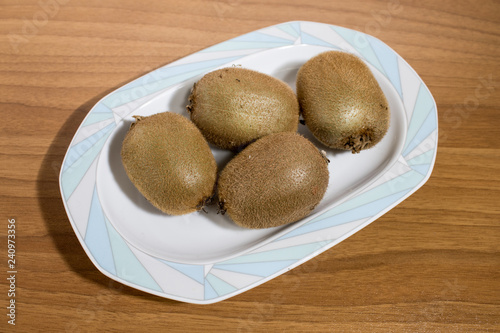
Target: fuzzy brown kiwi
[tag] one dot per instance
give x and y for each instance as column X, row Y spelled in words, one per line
column 341, row 101
column 168, row 160
column 276, row 180
column 235, row 106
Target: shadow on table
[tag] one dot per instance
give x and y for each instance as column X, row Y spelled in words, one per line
column 54, row 214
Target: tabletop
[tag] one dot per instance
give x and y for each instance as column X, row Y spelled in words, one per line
column 431, row 264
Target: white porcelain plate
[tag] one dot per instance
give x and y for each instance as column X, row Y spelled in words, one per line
column 204, row 257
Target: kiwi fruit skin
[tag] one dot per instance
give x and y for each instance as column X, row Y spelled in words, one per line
column 276, row 180
column 341, row 101
column 170, row 163
column 234, row 106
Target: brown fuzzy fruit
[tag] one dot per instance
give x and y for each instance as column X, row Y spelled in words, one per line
column 235, row 106
column 341, row 101
column 276, row 180
column 168, row 160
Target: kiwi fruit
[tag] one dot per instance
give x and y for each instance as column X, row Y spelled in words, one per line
column 235, row 106
column 170, row 163
column 276, row 180
column 341, row 102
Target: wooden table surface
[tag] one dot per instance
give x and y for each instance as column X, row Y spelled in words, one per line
column 431, row 264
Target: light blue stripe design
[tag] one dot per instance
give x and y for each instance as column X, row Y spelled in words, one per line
column 369, row 209
column 360, row 42
column 126, row 96
column 315, row 225
column 289, row 29
column 423, row 106
column 291, row 253
column 397, row 185
column 259, row 268
column 296, row 26
column 72, row 176
column 96, row 117
column 389, row 61
column 237, row 45
column 100, row 108
column 77, row 150
column 221, row 287
column 425, row 158
column 424, row 131
column 128, row 267
column 260, row 37
column 195, row 272
column 170, row 71
column 422, row 168
column 309, row 39
column 96, row 236
column 209, row 291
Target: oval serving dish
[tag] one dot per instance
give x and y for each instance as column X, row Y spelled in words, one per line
column 205, row 258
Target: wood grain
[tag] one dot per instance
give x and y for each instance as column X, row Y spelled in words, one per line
column 432, row 264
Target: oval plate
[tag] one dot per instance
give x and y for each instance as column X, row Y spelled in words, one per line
column 204, row 258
